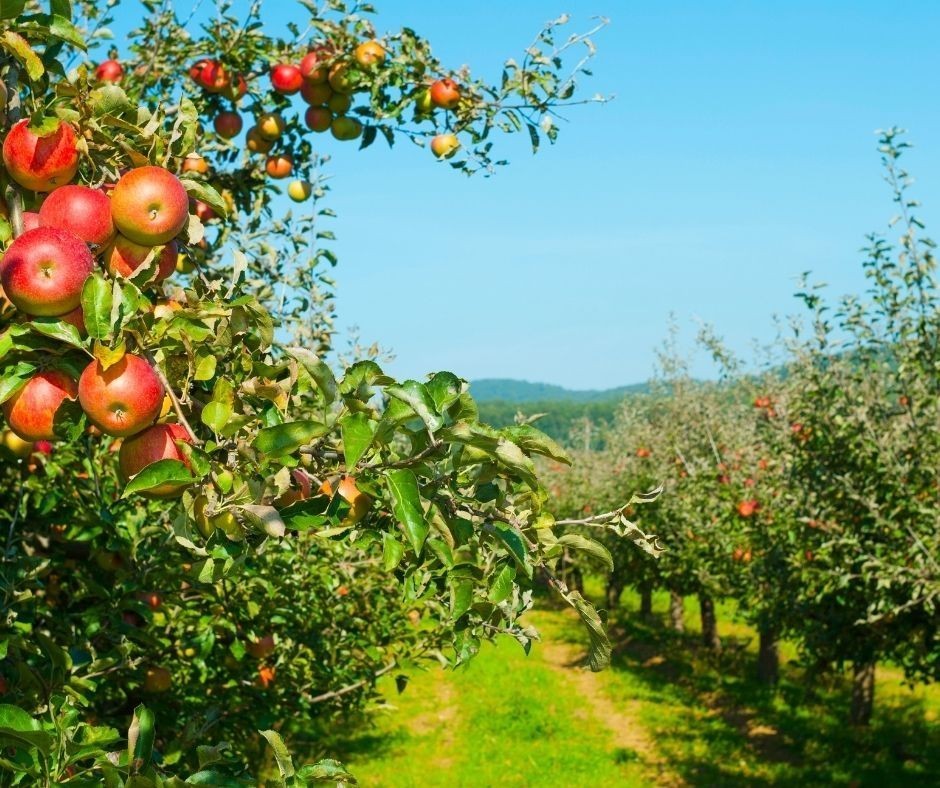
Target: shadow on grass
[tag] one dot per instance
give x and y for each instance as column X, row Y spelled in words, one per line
column 716, row 725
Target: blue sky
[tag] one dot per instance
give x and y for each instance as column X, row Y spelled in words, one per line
column 739, row 151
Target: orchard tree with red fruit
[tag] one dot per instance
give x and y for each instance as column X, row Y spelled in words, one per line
column 211, row 530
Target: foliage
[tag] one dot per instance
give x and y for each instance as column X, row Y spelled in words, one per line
column 333, row 525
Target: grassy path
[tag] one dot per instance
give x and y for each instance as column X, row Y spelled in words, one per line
column 508, row 720
column 664, row 714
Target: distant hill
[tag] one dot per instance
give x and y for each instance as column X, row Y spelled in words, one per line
column 509, row 390
column 565, row 410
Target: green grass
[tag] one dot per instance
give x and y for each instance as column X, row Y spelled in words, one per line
column 665, row 713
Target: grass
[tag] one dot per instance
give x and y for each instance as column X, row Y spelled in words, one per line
column 665, row 713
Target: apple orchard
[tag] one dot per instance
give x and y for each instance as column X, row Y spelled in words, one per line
column 211, row 531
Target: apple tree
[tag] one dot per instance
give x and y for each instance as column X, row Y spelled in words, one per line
column 210, row 528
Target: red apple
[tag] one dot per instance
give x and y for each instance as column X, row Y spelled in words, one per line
column 122, row 399
column 748, row 508
column 203, row 211
column 77, row 318
column 318, row 118
column 213, row 77
column 195, row 70
column 31, row 412
column 43, row 271
column 313, row 66
column 445, row 93
column 286, row 78
column 109, row 71
column 81, row 210
column 124, row 257
column 279, row 166
column 153, row 444
column 150, row 205
column 262, row 647
column 30, row 220
column 227, row 124
column 41, row 158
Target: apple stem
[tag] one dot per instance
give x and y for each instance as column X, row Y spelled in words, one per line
column 173, row 398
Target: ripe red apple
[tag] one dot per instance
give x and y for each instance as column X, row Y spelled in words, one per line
column 286, row 78
column 43, row 271
column 445, row 93
column 32, row 411
column 318, row 118
column 122, row 399
column 227, row 124
column 30, row 220
column 747, row 508
column 124, row 257
column 313, row 68
column 109, row 71
column 196, row 68
column 643, row 452
column 81, row 210
column 40, row 159
column 262, row 647
column 316, row 93
column 213, row 77
column 150, row 205
column 279, row 166
column 145, row 448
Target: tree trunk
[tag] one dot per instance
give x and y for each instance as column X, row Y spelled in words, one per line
column 863, row 693
column 768, row 657
column 709, row 626
column 646, row 601
column 677, row 611
column 614, row 590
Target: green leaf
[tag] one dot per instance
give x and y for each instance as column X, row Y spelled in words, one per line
column 140, row 736
column 534, row 441
column 12, row 379
column 327, row 771
column 416, row 395
column 501, row 587
column 513, row 457
column 589, row 546
column 281, row 755
column 515, row 544
column 265, row 518
column 97, row 303
column 358, row 431
column 599, row 651
column 109, row 100
column 216, row 415
column 318, row 370
column 392, row 552
column 61, row 8
column 64, row 30
column 461, row 595
column 57, row 329
column 203, row 191
column 19, row 47
column 407, row 506
column 287, row 438
column 11, row 8
column 17, row 725
column 445, row 389
column 159, row 473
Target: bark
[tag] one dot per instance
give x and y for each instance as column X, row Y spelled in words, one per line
column 646, row 600
column 614, row 590
column 863, row 693
column 677, row 611
column 709, row 625
column 768, row 657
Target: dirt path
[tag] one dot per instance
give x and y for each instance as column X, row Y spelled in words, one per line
column 621, row 720
column 439, row 722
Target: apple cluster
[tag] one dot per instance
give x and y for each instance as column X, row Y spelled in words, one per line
column 129, row 228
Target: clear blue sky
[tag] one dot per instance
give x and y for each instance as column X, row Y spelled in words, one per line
column 739, row 151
